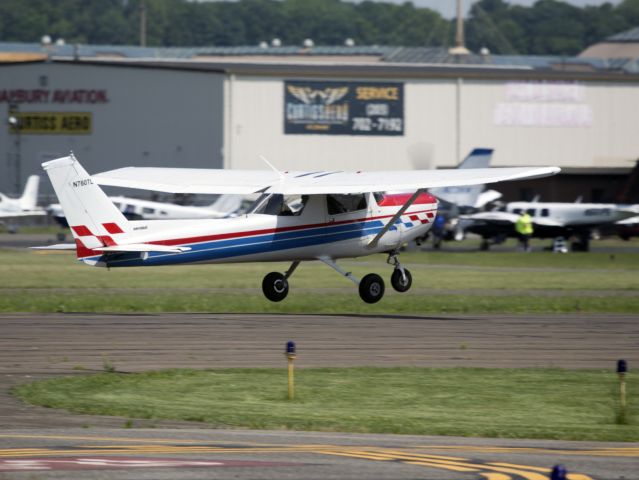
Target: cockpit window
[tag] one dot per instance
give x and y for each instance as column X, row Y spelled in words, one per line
column 337, row 203
column 280, row 205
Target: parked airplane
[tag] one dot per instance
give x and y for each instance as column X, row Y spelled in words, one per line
column 300, row 216
column 136, row 209
column 25, row 206
column 456, row 200
column 550, row 220
column 469, row 196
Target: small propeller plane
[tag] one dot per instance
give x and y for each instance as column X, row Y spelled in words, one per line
column 24, row 206
column 299, row 216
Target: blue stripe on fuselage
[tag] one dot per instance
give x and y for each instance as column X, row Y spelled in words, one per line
column 219, row 249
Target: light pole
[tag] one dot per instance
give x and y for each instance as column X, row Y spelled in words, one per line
column 14, row 127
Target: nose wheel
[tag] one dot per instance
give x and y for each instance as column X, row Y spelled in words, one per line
column 401, row 279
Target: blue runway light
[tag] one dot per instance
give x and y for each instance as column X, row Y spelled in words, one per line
column 622, row 366
column 290, row 347
column 558, row 473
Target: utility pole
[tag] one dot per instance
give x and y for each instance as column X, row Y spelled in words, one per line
column 459, row 48
column 142, row 23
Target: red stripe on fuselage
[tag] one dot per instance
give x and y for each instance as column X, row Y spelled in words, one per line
column 249, row 233
column 399, row 199
column 231, row 235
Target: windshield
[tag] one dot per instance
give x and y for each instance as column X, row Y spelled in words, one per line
column 280, row 205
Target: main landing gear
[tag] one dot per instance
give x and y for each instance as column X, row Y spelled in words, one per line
column 371, row 287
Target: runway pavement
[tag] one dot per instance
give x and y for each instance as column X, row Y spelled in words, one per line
column 37, row 442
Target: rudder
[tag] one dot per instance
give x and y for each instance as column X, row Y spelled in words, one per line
column 94, row 220
column 29, row 198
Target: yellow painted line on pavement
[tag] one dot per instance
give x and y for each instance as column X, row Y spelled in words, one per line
column 440, row 466
column 514, row 465
column 605, row 452
column 490, row 471
column 106, row 439
column 495, row 476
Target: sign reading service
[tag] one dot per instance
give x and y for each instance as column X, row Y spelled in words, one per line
column 343, row 108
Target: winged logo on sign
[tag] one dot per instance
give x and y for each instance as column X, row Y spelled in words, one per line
column 327, row 96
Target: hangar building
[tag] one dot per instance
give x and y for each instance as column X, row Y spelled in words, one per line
column 324, row 108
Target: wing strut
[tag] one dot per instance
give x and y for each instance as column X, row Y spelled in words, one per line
column 391, row 222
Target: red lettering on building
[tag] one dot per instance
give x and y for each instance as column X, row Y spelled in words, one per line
column 21, row 95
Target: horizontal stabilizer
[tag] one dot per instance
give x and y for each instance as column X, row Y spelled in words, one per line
column 143, row 247
column 16, row 214
column 57, row 246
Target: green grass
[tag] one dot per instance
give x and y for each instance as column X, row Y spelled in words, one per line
column 522, row 403
column 443, row 282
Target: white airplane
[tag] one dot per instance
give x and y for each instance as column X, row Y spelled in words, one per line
column 136, row 209
column 300, row 216
column 469, row 196
column 550, row 220
column 25, row 206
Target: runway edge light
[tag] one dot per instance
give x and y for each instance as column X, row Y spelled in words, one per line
column 290, row 355
column 558, row 473
column 622, row 369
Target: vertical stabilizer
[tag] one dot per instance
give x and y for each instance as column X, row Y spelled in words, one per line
column 94, row 220
column 29, row 197
column 466, row 196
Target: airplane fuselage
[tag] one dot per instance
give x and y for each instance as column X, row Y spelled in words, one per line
column 571, row 214
column 314, row 232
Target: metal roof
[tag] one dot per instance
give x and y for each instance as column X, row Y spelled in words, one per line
column 392, row 57
column 631, row 36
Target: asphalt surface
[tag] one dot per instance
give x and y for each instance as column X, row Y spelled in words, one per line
column 36, row 442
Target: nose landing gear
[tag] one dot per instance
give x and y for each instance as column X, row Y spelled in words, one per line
column 401, row 279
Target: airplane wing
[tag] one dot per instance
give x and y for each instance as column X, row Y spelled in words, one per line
column 210, row 181
column 507, row 217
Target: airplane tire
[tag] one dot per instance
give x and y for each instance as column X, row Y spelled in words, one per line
column 371, row 288
column 399, row 283
column 275, row 287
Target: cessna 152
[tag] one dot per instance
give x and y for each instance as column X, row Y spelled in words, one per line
column 25, row 206
column 300, row 216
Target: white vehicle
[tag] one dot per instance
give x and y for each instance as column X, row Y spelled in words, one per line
column 550, row 220
column 25, row 206
column 300, row 216
column 136, row 209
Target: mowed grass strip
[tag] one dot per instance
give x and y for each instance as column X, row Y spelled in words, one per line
column 522, row 403
column 443, row 282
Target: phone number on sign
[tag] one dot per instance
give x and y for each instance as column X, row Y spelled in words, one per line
column 364, row 124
